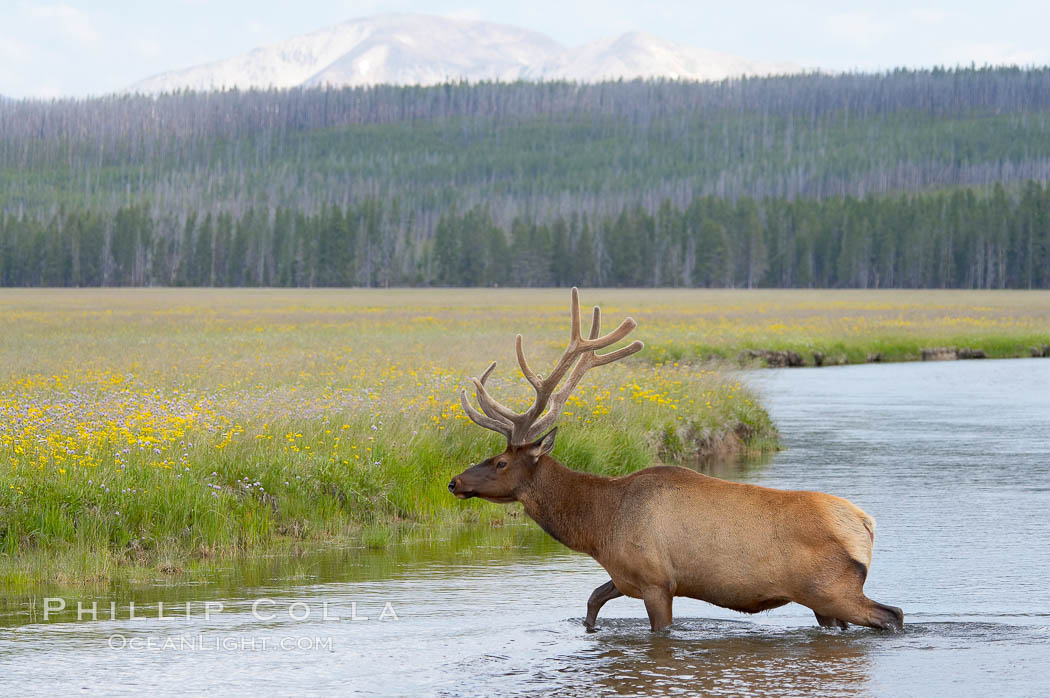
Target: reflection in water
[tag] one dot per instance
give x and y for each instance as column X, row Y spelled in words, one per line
column 950, row 458
column 489, row 547
column 722, row 658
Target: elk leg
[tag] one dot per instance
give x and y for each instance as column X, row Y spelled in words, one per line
column 830, row 622
column 860, row 610
column 606, row 592
column 658, row 605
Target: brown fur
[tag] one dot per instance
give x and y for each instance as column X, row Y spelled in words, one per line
column 668, row 531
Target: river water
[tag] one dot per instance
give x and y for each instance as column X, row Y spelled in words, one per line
column 952, row 459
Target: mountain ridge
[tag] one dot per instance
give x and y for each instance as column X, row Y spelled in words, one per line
column 419, row 49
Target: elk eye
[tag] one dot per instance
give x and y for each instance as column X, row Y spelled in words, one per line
column 501, row 465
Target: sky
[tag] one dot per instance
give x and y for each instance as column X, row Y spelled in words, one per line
column 81, row 47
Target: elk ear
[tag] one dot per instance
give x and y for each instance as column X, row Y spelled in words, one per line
column 543, row 445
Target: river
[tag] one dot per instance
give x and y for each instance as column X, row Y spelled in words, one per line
column 952, row 459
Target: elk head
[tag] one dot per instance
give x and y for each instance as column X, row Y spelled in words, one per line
column 501, row 477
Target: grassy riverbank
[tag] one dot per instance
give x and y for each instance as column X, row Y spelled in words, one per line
column 155, row 430
column 149, row 428
column 849, row 326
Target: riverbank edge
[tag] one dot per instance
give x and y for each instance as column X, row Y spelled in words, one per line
column 75, row 565
column 815, row 355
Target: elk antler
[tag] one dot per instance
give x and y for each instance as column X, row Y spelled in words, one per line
column 521, row 428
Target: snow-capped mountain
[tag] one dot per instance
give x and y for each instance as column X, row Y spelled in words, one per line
column 414, row 49
column 641, row 55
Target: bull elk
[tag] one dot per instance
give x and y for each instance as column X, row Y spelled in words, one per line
column 668, row 531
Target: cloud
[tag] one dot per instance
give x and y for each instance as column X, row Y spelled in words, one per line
column 258, row 28
column 14, row 52
column 857, row 27
column 927, row 16
column 147, row 48
column 67, row 20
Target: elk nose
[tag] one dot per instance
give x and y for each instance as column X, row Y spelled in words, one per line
column 452, row 486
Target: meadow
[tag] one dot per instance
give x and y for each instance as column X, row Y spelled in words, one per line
column 148, row 429
column 847, row 326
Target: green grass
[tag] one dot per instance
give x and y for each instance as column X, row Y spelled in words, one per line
column 858, row 350
column 160, row 433
column 152, row 429
column 851, row 326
